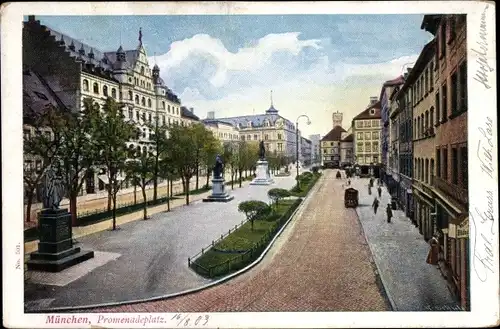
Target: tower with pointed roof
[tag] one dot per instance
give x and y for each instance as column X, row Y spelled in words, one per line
column 271, row 109
column 337, row 119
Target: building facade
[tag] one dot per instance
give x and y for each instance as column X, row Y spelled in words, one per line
column 450, row 179
column 346, row 149
column 385, row 140
column 330, row 148
column 316, row 148
column 277, row 132
column 305, row 151
column 366, row 129
column 76, row 71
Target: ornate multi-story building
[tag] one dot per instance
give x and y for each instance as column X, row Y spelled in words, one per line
column 277, row 132
column 366, row 128
column 305, row 151
column 330, row 143
column 386, row 104
column 450, row 179
column 75, row 71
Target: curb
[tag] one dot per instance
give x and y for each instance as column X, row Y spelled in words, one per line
column 305, row 199
column 379, row 278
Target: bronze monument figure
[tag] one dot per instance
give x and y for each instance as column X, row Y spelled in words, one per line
column 53, row 187
column 262, row 151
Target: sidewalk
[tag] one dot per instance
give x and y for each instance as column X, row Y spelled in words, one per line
column 81, row 231
column 400, row 252
column 144, row 258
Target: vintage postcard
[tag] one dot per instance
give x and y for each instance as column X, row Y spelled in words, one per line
column 249, row 164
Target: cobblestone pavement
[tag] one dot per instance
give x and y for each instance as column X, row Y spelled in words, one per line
column 154, row 253
column 321, row 262
column 400, row 254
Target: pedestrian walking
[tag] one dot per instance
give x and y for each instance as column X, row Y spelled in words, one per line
column 379, row 190
column 375, row 205
column 389, row 213
column 349, row 182
column 369, row 190
column 433, row 256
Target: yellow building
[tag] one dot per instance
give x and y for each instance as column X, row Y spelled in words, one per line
column 366, row 128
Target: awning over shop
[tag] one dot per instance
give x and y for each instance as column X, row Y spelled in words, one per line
column 422, row 196
column 453, row 208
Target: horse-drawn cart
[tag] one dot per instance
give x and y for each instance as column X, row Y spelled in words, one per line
column 351, row 198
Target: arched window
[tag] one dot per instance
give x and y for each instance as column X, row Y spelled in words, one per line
column 96, row 88
column 149, row 102
column 149, row 118
column 138, row 151
column 427, row 122
column 145, row 150
column 85, row 85
column 418, row 127
column 422, row 124
column 137, row 99
column 105, row 90
column 415, row 130
column 168, row 108
column 162, row 105
column 113, row 93
column 142, row 69
column 427, row 170
column 144, row 132
column 130, row 96
column 143, row 101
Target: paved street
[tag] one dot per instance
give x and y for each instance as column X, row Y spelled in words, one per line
column 321, row 262
column 153, row 253
column 400, row 253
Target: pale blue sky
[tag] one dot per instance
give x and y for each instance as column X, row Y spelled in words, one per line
column 316, row 64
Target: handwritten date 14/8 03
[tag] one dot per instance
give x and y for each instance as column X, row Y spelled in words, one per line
column 184, row 320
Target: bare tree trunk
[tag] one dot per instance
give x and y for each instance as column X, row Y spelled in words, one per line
column 171, row 188
column 184, row 185
column 208, row 176
column 114, row 211
column 187, row 191
column 240, row 177
column 155, row 180
column 135, row 194
column 109, row 197
column 197, row 176
column 168, row 195
column 73, row 208
column 145, row 208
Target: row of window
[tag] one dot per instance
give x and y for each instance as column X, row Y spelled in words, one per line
column 457, row 92
column 142, row 83
column 256, row 137
column 424, row 84
column 374, row 135
column 423, row 170
column 405, row 165
column 228, row 135
column 367, row 123
column 95, row 89
column 367, row 159
column 367, row 147
column 458, row 161
column 424, row 124
column 148, row 117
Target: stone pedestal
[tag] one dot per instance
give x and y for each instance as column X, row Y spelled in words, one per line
column 219, row 193
column 55, row 249
column 263, row 176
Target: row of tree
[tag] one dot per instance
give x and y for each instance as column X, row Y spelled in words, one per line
column 99, row 138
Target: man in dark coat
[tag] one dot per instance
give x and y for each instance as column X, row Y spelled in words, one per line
column 389, row 213
column 379, row 190
column 375, row 205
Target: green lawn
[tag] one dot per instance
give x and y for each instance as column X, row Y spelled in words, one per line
column 305, row 186
column 243, row 238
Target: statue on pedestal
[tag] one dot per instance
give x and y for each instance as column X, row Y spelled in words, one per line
column 262, row 151
column 53, row 187
column 219, row 167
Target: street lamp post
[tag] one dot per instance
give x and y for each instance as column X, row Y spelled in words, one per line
column 297, row 144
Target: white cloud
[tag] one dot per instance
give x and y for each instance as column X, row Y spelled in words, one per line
column 211, row 78
column 245, row 59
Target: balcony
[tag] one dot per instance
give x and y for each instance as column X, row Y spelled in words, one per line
column 423, row 187
column 458, row 193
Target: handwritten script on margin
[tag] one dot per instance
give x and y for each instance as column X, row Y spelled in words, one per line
column 482, row 74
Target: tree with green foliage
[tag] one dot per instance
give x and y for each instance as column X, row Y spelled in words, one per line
column 41, row 144
column 277, row 194
column 230, row 158
column 140, row 167
column 254, row 209
column 78, row 151
column 159, row 139
column 111, row 133
column 184, row 147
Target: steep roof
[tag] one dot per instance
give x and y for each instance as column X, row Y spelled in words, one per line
column 391, row 83
column 257, row 120
column 425, row 56
column 334, row 135
column 367, row 115
column 185, row 113
column 348, row 138
column 37, row 95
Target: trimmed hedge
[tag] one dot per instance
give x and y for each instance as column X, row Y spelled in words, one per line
column 248, row 245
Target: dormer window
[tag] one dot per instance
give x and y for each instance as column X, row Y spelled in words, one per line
column 372, row 112
column 105, row 90
column 96, row 88
column 85, row 85
column 249, row 124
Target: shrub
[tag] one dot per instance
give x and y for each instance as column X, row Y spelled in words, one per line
column 277, row 194
column 254, row 209
column 315, row 169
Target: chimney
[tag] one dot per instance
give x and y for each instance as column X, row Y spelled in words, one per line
column 373, row 100
column 211, row 115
